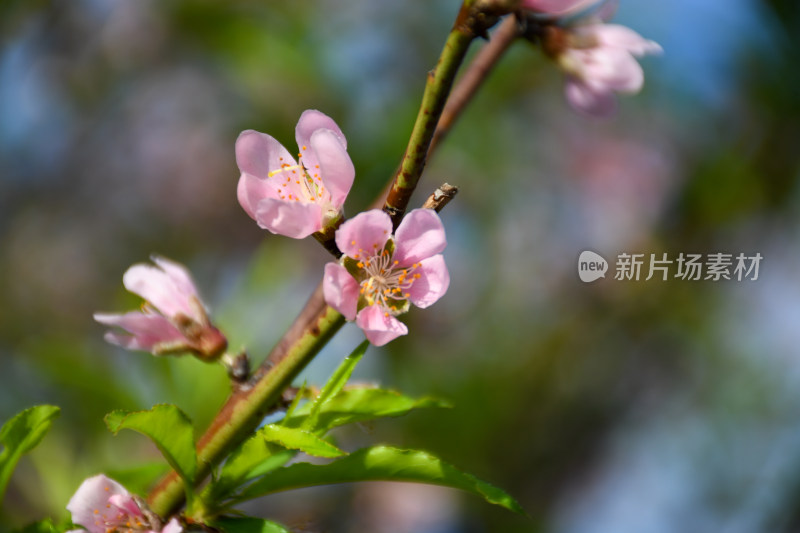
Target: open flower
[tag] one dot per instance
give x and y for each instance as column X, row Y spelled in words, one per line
column 379, row 273
column 173, row 318
column 295, row 198
column 102, row 505
column 599, row 60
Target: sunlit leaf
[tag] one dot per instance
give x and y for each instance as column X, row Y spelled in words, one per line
column 169, row 428
column 380, row 463
column 248, row 525
column 335, row 384
column 301, row 440
column 138, row 479
column 361, row 405
column 20, row 435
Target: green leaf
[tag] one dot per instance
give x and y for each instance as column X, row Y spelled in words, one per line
column 335, row 384
column 20, row 435
column 300, row 439
column 248, row 525
column 254, row 458
column 171, row 431
column 380, row 463
column 361, row 405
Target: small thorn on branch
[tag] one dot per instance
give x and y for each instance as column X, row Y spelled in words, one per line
column 440, row 197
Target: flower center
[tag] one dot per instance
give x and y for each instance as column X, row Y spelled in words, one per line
column 385, row 283
column 297, row 182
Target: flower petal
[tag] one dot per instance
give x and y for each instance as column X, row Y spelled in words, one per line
column 178, row 273
column 364, row 234
column 252, row 190
column 419, row 236
column 556, row 7
column 340, row 290
column 379, row 327
column 172, row 527
column 292, row 219
column 158, row 288
column 620, row 36
column 91, row 496
column 335, row 167
column 259, row 154
column 147, row 330
column 589, row 100
column 432, row 284
column 312, row 120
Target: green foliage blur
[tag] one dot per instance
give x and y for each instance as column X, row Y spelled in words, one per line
column 649, row 406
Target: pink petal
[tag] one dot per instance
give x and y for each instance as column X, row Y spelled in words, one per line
column 147, row 330
column 172, row 527
column 158, row 288
column 623, row 37
column 312, row 120
column 335, row 167
column 340, row 290
column 178, row 273
column 420, row 235
column 556, row 7
column 365, row 234
column 252, row 190
column 292, row 219
column 588, row 100
column 126, row 504
column 378, row 327
column 259, row 154
column 432, row 284
column 612, row 68
column 91, row 496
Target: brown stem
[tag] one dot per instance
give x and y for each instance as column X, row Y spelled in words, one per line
column 440, row 197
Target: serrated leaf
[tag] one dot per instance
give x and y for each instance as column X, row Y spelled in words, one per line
column 254, row 458
column 169, row 428
column 335, row 384
column 380, row 463
column 301, row 440
column 248, row 525
column 19, row 435
column 361, row 405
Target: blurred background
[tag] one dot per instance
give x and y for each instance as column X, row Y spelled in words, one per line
column 611, row 407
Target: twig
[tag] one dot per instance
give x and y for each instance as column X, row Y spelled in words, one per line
column 474, row 76
column 468, row 25
column 317, row 322
column 440, row 197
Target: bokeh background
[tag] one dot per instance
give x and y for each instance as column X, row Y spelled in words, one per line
column 610, row 407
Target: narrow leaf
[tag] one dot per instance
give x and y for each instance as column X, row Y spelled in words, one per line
column 19, row 435
column 374, row 464
column 248, row 525
column 169, row 428
column 335, row 384
column 361, row 405
column 299, row 439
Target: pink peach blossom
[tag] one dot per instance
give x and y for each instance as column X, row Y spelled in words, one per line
column 102, row 505
column 173, row 318
column 380, row 273
column 295, row 198
column 600, row 60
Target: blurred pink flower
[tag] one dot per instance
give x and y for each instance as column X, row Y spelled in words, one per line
column 379, row 274
column 173, row 318
column 599, row 60
column 102, row 505
column 295, row 198
column 556, row 7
